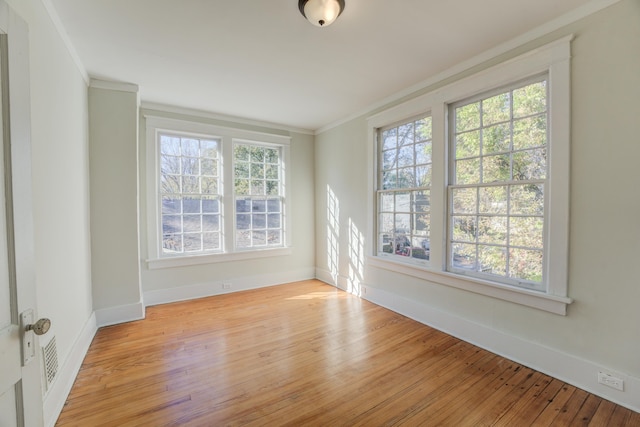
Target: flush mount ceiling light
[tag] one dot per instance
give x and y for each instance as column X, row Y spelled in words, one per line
column 321, row 13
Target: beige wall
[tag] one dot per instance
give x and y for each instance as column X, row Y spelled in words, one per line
column 113, row 118
column 603, row 324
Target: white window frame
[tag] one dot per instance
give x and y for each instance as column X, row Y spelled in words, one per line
column 157, row 124
column 552, row 59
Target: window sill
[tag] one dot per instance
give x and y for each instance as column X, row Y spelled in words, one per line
column 183, row 261
column 551, row 303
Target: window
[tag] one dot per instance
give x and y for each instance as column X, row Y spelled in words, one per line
column 492, row 212
column 498, row 144
column 190, row 193
column 214, row 194
column 405, row 181
column 258, row 196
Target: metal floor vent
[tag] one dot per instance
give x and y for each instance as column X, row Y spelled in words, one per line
column 50, row 358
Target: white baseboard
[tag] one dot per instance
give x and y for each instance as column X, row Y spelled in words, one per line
column 339, row 281
column 565, row 367
column 183, row 293
column 120, row 314
column 61, row 387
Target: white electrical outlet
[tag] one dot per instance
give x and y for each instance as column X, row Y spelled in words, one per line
column 226, row 285
column 611, row 381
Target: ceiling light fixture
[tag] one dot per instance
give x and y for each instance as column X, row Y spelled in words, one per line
column 321, row 13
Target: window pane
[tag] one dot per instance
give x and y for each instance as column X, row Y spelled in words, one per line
column 492, row 229
column 274, row 237
column 496, row 109
column 526, row 232
column 403, row 202
column 493, row 200
column 169, row 145
column 243, row 239
column 468, row 144
column 257, row 188
column 209, row 185
column 496, row 168
column 530, row 164
column 192, row 242
column 468, row 117
column 526, row 199
column 464, row 228
column 190, row 147
column 256, row 154
column 210, row 206
column 171, row 224
column 211, row 223
column 171, row 205
column 241, row 152
column 258, row 205
column 423, row 129
column 530, row 132
column 259, row 238
column 389, row 159
column 525, row 265
column 272, row 156
column 274, row 220
column 243, row 221
column 464, row 256
column 211, row 241
column 389, row 139
column 386, row 202
column 259, row 221
column 493, row 259
column 421, row 201
column 405, row 134
column 423, row 176
column 406, row 178
column 386, row 223
column 274, row 205
column 423, row 153
column 192, row 223
column 421, row 225
column 190, row 184
column 405, row 156
column 496, row 139
column 389, row 180
column 530, row 99
column 465, row 200
column 170, row 165
column 172, row 243
column 209, row 149
column 468, row 171
column 191, row 205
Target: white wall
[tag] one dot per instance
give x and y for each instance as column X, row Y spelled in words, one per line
column 603, row 324
column 170, row 284
column 60, row 180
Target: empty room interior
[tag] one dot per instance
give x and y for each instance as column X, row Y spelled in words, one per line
column 326, row 213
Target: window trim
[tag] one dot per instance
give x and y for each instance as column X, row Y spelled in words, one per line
column 552, row 59
column 154, row 125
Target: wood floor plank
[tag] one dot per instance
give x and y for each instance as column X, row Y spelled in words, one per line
column 308, row 354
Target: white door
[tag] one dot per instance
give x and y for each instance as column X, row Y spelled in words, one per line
column 20, row 380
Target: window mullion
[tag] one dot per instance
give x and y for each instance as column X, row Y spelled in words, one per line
column 227, row 195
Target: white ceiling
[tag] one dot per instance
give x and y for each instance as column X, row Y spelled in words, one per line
column 260, row 59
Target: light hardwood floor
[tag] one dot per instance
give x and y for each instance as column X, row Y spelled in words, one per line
column 307, row 354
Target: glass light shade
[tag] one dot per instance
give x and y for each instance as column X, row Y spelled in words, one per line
column 322, row 13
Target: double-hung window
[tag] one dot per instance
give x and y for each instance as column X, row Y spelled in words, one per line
column 498, row 176
column 404, row 189
column 214, row 193
column 475, row 194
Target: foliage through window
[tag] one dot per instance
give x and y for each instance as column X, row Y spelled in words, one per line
column 189, row 190
column 404, row 195
column 258, row 196
column 498, row 183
